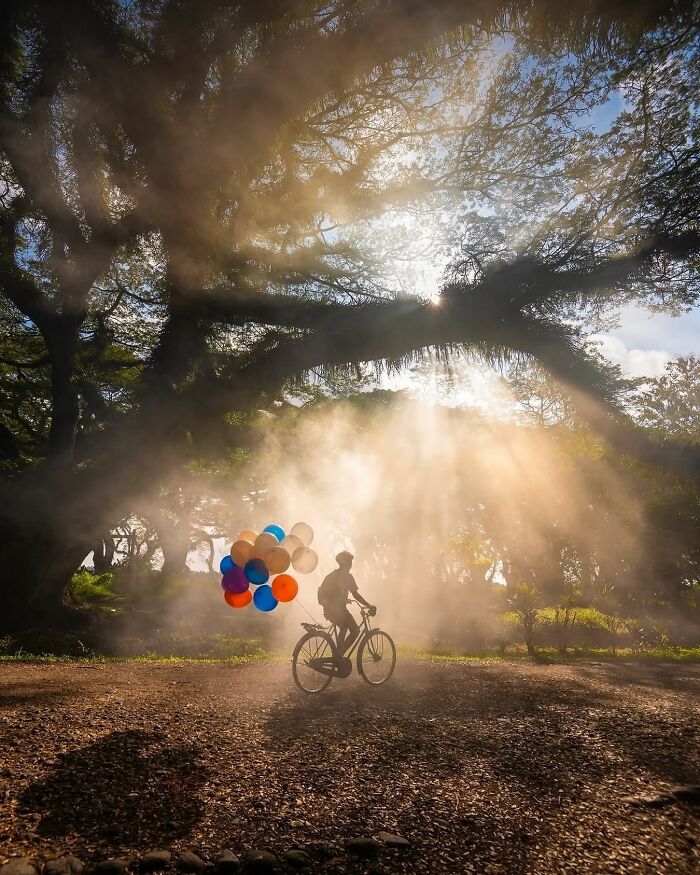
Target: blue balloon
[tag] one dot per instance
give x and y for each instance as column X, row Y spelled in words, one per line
column 226, row 564
column 263, row 598
column 256, row 571
column 275, row 530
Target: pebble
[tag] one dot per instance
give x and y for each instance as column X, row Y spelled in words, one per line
column 19, row 866
column 155, row 861
column 324, row 850
column 648, row 801
column 116, row 866
column 391, row 840
column 189, row 862
column 63, row 866
column 297, row 859
column 362, row 846
column 260, row 862
column 228, row 863
column 689, row 793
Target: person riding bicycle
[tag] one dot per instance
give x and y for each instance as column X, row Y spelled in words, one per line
column 333, row 597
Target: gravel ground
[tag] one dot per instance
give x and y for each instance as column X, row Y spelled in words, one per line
column 484, row 767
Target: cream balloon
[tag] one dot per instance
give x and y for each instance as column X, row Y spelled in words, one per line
column 247, row 535
column 277, row 560
column 241, row 552
column 292, row 543
column 304, row 532
column 304, row 560
column 263, row 544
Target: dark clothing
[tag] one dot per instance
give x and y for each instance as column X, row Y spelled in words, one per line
column 333, row 596
column 346, row 623
column 333, row 592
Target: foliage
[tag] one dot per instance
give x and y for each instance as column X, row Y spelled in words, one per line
column 206, row 208
column 669, row 406
column 86, row 587
column 524, row 600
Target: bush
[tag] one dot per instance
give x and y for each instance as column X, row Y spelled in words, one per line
column 87, row 587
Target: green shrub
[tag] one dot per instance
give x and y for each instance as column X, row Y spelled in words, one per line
column 86, row 587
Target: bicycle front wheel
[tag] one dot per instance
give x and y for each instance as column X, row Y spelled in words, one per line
column 313, row 662
column 376, row 658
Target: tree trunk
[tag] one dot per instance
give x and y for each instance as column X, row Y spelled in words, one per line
column 43, row 540
column 35, row 570
column 103, row 554
column 174, row 541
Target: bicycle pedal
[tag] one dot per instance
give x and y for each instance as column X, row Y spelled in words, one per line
column 344, row 667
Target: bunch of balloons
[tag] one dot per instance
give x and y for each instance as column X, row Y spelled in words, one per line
column 261, row 560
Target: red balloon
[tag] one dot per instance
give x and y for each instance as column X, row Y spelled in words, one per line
column 238, row 599
column 284, row 588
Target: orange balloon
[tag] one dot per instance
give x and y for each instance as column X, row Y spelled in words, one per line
column 238, row 599
column 247, row 535
column 284, row 588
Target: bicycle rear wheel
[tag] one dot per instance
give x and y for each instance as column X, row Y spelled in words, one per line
column 376, row 658
column 313, row 662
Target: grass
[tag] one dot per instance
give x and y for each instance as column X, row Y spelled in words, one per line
column 158, row 658
column 518, row 653
column 513, row 654
column 168, row 649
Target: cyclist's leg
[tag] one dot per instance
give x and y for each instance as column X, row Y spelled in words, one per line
column 351, row 631
column 337, row 617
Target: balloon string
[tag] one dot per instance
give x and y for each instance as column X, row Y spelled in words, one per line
column 306, row 609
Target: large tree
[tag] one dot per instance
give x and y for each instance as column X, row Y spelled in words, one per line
column 202, row 201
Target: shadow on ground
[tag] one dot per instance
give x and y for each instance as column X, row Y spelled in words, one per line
column 18, row 695
column 128, row 786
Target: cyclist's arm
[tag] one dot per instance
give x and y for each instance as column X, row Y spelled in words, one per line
column 361, row 600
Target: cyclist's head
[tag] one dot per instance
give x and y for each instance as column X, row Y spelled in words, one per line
column 344, row 559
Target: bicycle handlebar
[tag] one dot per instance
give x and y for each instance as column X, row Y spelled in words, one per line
column 365, row 611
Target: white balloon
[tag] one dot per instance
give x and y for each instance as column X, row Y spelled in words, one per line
column 304, row 560
column 304, row 532
column 277, row 560
column 292, row 543
column 264, row 543
column 241, row 552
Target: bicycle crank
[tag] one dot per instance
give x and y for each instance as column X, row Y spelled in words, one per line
column 337, row 668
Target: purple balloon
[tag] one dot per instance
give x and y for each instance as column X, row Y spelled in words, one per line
column 235, row 580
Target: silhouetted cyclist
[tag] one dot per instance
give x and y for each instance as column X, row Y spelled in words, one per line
column 333, row 597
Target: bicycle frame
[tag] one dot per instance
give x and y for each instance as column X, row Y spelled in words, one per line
column 335, row 664
column 332, row 630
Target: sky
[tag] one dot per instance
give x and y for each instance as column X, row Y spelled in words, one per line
column 644, row 342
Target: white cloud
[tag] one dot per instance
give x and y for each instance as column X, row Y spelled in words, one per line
column 634, row 362
column 639, row 329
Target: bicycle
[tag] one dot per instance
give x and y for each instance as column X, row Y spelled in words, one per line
column 316, row 661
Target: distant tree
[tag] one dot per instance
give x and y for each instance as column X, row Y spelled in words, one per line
column 610, row 605
column 524, row 601
column 565, row 617
column 669, row 405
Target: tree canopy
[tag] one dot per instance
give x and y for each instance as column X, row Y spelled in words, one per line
column 203, row 201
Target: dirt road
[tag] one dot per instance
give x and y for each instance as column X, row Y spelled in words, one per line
column 495, row 768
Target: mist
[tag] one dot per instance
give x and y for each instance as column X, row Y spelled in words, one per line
column 441, row 507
